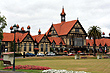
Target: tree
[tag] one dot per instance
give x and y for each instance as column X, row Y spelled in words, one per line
column 94, row 32
column 2, row 26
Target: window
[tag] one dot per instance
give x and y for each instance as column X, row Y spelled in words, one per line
column 78, row 42
column 73, row 41
column 46, row 47
column 29, row 46
column 61, row 44
column 52, row 31
column 105, row 48
column 100, row 46
column 6, row 50
column 24, row 46
column 6, row 43
column 41, row 47
column 35, row 45
column 53, row 44
column 44, row 38
column 69, row 41
column 27, row 37
column 76, row 30
column 88, row 45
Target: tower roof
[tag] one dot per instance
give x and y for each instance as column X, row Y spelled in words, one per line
column 22, row 28
column 28, row 27
column 39, row 30
column 63, row 13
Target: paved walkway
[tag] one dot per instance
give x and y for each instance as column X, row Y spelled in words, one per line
column 1, row 71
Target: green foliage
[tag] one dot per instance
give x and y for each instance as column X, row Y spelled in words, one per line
column 51, row 49
column 94, row 32
column 2, row 25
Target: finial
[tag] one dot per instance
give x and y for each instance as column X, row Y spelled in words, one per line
column 63, row 7
column 77, row 18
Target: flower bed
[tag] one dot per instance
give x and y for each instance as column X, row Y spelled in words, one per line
column 62, row 71
column 28, row 67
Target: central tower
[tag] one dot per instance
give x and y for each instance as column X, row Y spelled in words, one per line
column 63, row 15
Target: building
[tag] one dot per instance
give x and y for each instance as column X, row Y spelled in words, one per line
column 71, row 32
column 61, row 38
column 102, row 44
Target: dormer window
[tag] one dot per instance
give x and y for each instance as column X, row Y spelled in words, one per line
column 76, row 30
column 27, row 37
column 44, row 38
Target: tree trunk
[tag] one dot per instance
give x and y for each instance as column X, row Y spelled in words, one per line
column 94, row 47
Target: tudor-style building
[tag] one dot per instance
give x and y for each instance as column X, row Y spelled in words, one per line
column 71, row 32
column 23, row 39
column 62, row 37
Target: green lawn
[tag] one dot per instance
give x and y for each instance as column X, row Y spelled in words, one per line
column 68, row 63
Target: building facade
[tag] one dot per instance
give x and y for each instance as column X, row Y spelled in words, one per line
column 63, row 37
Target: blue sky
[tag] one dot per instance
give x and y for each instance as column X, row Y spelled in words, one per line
column 41, row 13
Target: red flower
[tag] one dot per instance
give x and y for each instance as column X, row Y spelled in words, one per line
column 28, row 67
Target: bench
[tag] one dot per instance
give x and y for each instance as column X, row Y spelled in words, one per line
column 7, row 62
column 105, row 57
column 83, row 57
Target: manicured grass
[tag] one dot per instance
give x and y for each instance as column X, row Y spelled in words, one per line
column 68, row 63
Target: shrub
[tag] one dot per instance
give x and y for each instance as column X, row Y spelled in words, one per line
column 28, row 67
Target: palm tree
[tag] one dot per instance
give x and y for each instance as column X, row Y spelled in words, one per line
column 94, row 32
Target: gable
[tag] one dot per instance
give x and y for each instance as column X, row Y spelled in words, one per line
column 77, row 28
column 28, row 38
column 45, row 39
column 52, row 31
column 62, row 28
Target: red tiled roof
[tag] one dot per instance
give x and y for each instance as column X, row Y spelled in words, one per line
column 102, row 41
column 20, row 36
column 57, row 40
column 10, row 36
column 64, row 27
column 38, row 37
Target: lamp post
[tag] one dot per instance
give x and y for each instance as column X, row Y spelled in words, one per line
column 14, row 27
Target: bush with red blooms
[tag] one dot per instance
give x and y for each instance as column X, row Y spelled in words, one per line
column 28, row 67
